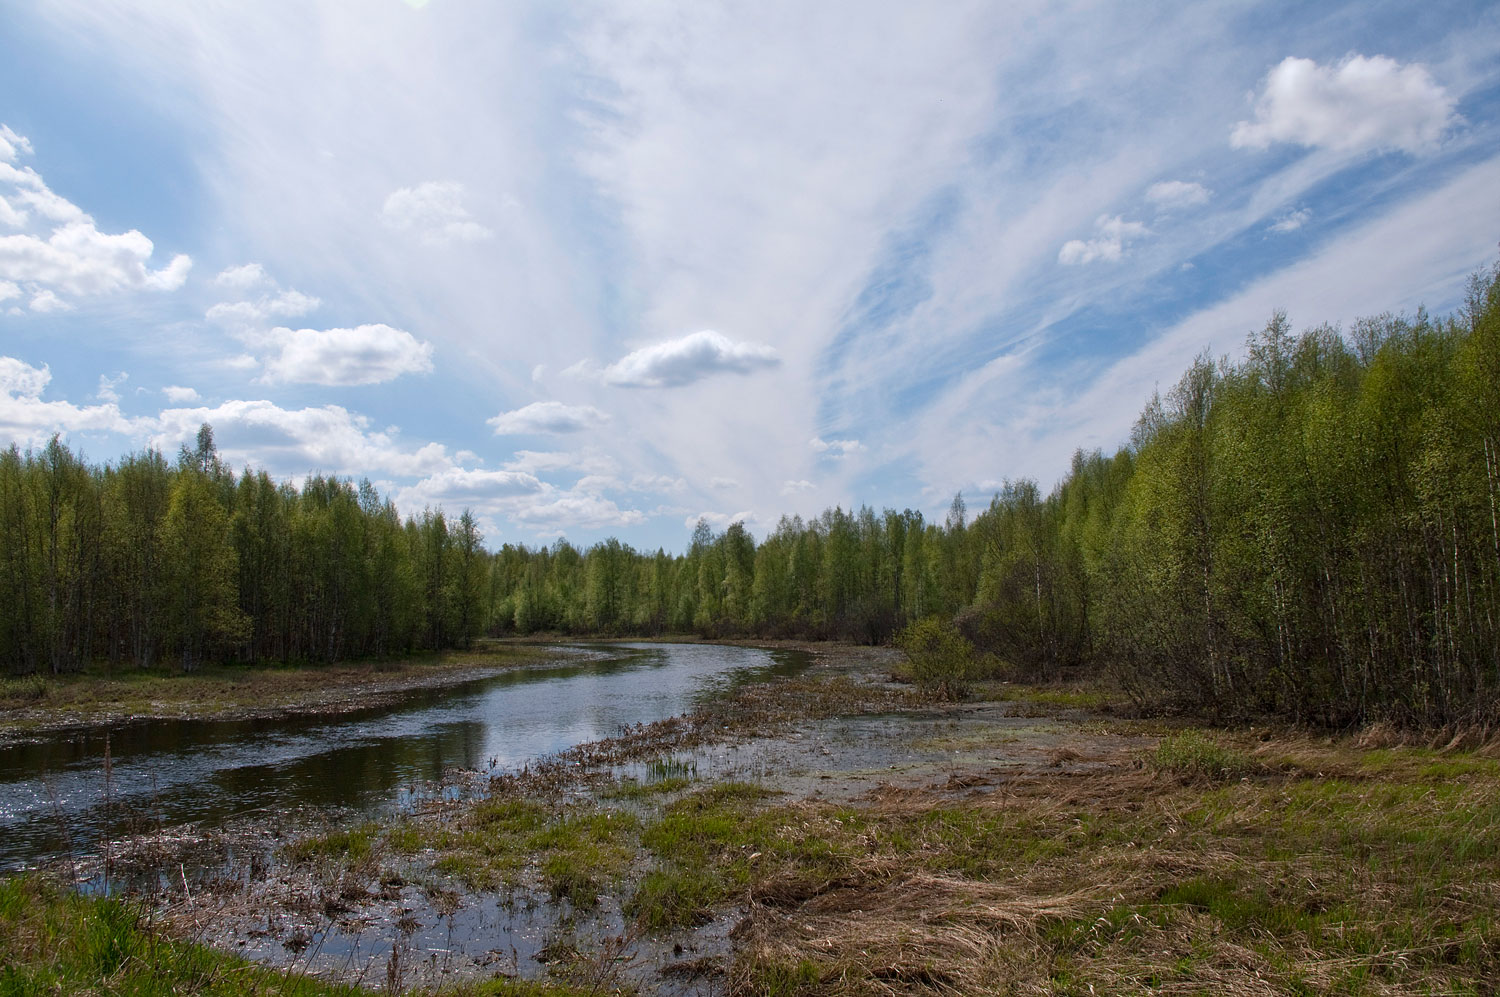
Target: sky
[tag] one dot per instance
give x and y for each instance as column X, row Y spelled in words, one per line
column 598, row 269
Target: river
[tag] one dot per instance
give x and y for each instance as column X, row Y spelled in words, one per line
column 54, row 799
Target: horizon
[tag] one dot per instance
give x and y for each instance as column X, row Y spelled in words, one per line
column 604, row 272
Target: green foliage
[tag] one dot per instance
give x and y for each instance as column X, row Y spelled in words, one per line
column 942, row 659
column 1311, row 531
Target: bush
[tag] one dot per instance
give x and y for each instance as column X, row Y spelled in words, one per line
column 942, row 660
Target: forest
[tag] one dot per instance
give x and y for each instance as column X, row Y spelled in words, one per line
column 1312, row 531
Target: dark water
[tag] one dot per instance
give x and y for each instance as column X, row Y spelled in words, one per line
column 171, row 772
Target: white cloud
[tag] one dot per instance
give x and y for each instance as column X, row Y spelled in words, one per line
column 285, row 304
column 434, row 211
column 1114, row 235
column 657, row 483
column 12, row 145
column 537, row 461
column 26, row 418
column 456, row 487
column 178, row 395
column 796, row 487
column 366, row 354
column 20, row 379
column 579, row 510
column 107, row 385
column 61, row 253
column 722, row 483
column 1362, row 103
column 1292, row 221
column 244, row 278
column 835, row 448
column 547, row 417
column 326, row 438
column 1173, row 194
column 45, row 301
column 9, row 290
column 690, row 358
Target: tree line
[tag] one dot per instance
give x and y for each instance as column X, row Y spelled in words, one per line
column 1311, row 531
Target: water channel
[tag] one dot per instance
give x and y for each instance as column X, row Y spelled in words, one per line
column 166, row 773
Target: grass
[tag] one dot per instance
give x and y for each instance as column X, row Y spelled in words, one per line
column 1334, row 870
column 575, row 852
column 1195, row 755
column 52, row 942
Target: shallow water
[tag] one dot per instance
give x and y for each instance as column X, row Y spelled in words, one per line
column 54, row 800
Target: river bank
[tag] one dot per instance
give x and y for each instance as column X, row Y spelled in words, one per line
column 36, row 704
column 829, row 832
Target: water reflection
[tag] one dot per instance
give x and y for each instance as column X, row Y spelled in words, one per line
column 172, row 772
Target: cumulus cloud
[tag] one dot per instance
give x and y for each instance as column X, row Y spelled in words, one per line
column 250, row 310
column 179, row 395
column 456, row 487
column 26, row 418
column 1291, row 222
column 722, row 483
column 282, row 304
column 577, row 509
column 835, row 448
column 690, row 358
column 45, row 301
column 243, row 278
column 366, row 354
column 325, row 438
column 796, row 487
column 12, row 145
column 1360, row 104
column 547, row 417
column 59, row 252
column 1114, row 234
column 434, row 211
column 1173, row 194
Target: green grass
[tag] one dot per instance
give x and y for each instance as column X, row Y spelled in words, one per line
column 1193, row 754
column 52, row 942
column 575, row 852
column 60, row 944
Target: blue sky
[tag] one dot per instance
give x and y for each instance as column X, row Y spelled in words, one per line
column 600, row 269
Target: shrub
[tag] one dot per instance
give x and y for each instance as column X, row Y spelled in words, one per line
column 942, row 660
